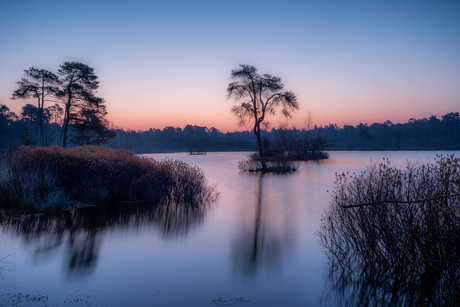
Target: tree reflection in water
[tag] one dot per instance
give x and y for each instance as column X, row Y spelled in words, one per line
column 265, row 231
column 80, row 230
column 392, row 236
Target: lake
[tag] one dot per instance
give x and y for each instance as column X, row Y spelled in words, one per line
column 255, row 246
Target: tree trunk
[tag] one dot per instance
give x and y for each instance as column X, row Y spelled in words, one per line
column 65, row 124
column 259, row 143
column 40, row 115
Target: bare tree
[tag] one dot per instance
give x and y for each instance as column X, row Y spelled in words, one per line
column 38, row 83
column 308, row 121
column 259, row 96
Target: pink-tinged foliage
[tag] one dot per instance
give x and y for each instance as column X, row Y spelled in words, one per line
column 92, row 174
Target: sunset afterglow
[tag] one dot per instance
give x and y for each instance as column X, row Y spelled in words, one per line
column 169, row 63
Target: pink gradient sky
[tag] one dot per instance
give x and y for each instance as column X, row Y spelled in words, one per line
column 169, row 63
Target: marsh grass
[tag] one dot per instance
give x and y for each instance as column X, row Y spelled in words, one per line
column 275, row 163
column 273, row 166
column 392, row 235
column 307, row 155
column 34, row 192
column 48, row 178
column 279, row 160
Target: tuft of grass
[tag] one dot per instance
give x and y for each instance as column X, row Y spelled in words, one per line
column 31, row 191
column 48, row 178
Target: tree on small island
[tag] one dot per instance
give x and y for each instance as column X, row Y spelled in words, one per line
column 259, row 96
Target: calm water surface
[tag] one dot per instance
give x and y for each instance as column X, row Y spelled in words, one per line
column 256, row 244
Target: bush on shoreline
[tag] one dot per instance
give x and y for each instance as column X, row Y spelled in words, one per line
column 396, row 232
column 44, row 178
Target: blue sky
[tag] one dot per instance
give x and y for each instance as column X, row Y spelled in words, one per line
column 168, row 63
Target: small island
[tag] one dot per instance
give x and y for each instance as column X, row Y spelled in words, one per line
column 259, row 96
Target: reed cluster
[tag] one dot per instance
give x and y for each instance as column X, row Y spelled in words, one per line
column 395, row 232
column 45, row 178
column 272, row 166
column 275, row 161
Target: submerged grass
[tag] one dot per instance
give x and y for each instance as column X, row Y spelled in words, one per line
column 49, row 178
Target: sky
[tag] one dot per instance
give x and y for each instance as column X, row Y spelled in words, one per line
column 168, row 63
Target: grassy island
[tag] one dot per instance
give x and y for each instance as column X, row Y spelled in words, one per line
column 52, row 178
column 279, row 160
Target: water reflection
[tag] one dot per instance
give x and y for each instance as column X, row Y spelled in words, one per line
column 379, row 285
column 265, row 232
column 80, row 232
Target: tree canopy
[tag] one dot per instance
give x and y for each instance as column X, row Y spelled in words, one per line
column 75, row 88
column 78, row 89
column 39, row 84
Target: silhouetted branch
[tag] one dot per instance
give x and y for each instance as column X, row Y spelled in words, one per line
column 396, row 202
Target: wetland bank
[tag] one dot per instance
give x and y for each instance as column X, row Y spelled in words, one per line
column 257, row 241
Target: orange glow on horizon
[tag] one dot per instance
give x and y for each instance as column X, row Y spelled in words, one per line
column 226, row 122
column 325, row 109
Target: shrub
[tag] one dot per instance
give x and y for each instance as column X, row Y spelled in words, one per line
column 396, row 233
column 276, row 162
column 90, row 174
column 32, row 191
column 273, row 166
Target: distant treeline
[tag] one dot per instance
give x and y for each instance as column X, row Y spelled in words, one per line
column 190, row 139
column 417, row 134
column 23, row 129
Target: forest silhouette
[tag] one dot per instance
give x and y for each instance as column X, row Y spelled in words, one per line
column 68, row 113
column 431, row 133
